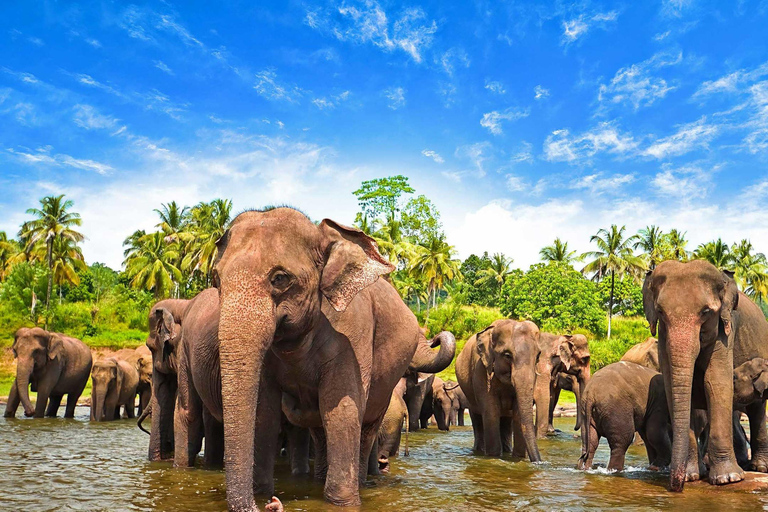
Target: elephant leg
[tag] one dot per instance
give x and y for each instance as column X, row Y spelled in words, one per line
column 298, row 450
column 266, row 436
column 213, row 457
column 13, row 401
column 758, row 436
column 541, row 394
column 321, row 451
column 740, row 442
column 187, row 426
column 554, row 397
column 658, row 443
column 369, row 465
column 477, row 429
column 506, row 430
column 43, row 394
column 577, row 394
column 130, row 407
column 492, row 430
column 619, row 445
column 72, row 398
column 695, row 469
column 589, row 456
column 144, row 398
column 718, row 386
column 460, row 417
column 519, row 449
column 53, row 406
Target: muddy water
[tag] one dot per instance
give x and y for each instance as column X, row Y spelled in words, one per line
column 57, row 464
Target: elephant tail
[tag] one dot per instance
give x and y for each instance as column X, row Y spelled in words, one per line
column 586, row 426
column 146, row 412
column 406, row 453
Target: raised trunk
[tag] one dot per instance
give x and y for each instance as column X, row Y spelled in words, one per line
column 525, row 414
column 426, row 360
column 23, row 373
column 246, row 331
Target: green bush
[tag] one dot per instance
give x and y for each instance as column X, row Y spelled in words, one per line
column 625, row 333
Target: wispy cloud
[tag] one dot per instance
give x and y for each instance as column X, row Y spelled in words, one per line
column 599, row 183
column 36, row 41
column 476, row 154
column 433, row 155
column 396, row 97
column 577, row 27
column 268, row 86
column 42, row 157
column 636, row 85
column 688, row 137
column 675, row 8
column 685, row 183
column 562, row 146
column 453, row 58
column 495, row 86
column 89, row 118
column 540, row 92
column 331, row 102
column 162, row 66
column 492, row 120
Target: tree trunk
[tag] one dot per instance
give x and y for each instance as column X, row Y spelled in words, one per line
column 610, row 304
column 50, row 281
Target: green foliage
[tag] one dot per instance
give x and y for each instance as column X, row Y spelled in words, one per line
column 627, row 298
column 554, row 296
column 421, row 220
column 380, row 196
column 483, row 294
column 25, row 285
column 627, row 332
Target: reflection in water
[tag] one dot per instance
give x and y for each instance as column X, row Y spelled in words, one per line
column 57, row 464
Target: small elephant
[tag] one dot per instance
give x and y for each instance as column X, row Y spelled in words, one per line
column 391, row 428
column 645, row 354
column 418, row 398
column 750, row 381
column 458, row 403
column 141, row 359
column 621, row 399
column 114, row 385
column 55, row 365
column 567, row 355
column 497, row 371
column 442, row 404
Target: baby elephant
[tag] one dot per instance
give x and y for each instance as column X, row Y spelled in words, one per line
column 750, row 380
column 619, row 400
column 391, row 427
column 114, row 384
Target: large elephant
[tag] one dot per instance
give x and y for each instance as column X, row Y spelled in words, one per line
column 141, row 359
column 645, row 354
column 561, row 356
column 391, row 427
column 165, row 321
column 304, row 314
column 621, row 399
column 497, row 371
column 114, row 383
column 54, row 365
column 705, row 328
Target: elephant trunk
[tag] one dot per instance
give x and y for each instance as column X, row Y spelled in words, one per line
column 525, row 415
column 246, row 332
column 683, row 349
column 98, row 400
column 442, row 416
column 425, row 360
column 144, row 413
column 581, row 384
column 24, row 369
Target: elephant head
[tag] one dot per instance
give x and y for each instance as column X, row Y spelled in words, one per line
column 273, row 270
column 107, row 379
column 573, row 351
column 33, row 349
column 441, row 404
column 690, row 305
column 509, row 351
column 163, row 338
column 750, row 380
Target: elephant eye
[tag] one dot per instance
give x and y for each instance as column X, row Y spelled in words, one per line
column 507, row 354
column 706, row 311
column 280, row 280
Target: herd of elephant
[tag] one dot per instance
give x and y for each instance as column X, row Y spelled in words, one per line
column 302, row 344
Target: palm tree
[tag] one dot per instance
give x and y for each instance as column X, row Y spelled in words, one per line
column 751, row 270
column 53, row 222
column 651, row 241
column 558, row 251
column 9, row 249
column 173, row 220
column 614, row 256
column 366, row 225
column 67, row 260
column 716, row 252
column 133, row 243
column 434, row 265
column 152, row 266
column 676, row 243
column 208, row 222
column 499, row 269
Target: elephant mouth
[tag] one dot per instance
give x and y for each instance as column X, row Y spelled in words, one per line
column 383, row 464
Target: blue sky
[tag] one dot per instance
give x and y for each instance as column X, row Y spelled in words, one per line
column 522, row 121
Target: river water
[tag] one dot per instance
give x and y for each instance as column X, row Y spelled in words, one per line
column 57, row 464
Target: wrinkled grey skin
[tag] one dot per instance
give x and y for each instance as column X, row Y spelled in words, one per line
column 418, row 394
column 497, row 371
column 621, row 399
column 459, row 403
column 390, row 431
column 442, row 404
column 705, row 327
column 305, row 318
column 165, row 321
column 114, row 383
column 141, row 359
column 560, row 354
column 645, row 354
column 54, row 365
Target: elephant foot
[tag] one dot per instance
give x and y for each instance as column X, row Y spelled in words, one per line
column 726, row 472
column 759, row 463
column 352, row 501
column 694, row 471
column 274, row 505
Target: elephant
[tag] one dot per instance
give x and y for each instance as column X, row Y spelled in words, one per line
column 645, row 354
column 165, row 321
column 750, row 380
column 114, row 385
column 141, row 359
column 706, row 327
column 418, row 394
column 567, row 355
column 304, row 314
column 442, row 404
column 55, row 365
column 458, row 403
column 391, row 428
column 621, row 399
column 497, row 371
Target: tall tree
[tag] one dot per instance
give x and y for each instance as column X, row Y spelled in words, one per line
column 497, row 272
column 676, row 243
column 53, row 221
column 559, row 252
column 67, row 260
column 173, row 220
column 613, row 257
column 209, row 221
column 9, row 249
column 651, row 241
column 152, row 267
column 751, row 270
column 434, row 264
column 380, row 196
column 716, row 252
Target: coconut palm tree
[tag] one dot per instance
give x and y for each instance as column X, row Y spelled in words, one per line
column 613, row 257
column 173, row 220
column 9, row 249
column 676, row 242
column 651, row 241
column 208, row 222
column 751, row 270
column 53, row 222
column 133, row 243
column 67, row 260
column 153, row 265
column 558, row 251
column 497, row 272
column 716, row 252
column 434, row 264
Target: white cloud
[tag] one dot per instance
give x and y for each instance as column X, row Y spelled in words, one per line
column 396, row 97
column 476, row 154
column 515, row 183
column 688, row 137
column 331, row 102
column 43, row 157
column 577, row 27
column 433, row 155
column 684, row 183
column 268, row 86
column 36, row 41
column 162, row 66
column 524, row 154
column 598, row 183
column 89, row 118
column 540, row 93
column 675, row 8
column 562, row 146
column 93, row 42
column 574, row 28
column 452, row 58
column 495, row 86
column 636, row 85
column 492, row 120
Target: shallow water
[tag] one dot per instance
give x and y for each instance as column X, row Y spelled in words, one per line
column 57, row 464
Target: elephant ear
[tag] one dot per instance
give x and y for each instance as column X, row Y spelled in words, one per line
column 484, row 347
column 118, row 372
column 351, row 262
column 649, row 303
column 729, row 299
column 55, row 346
column 164, row 331
column 565, row 351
